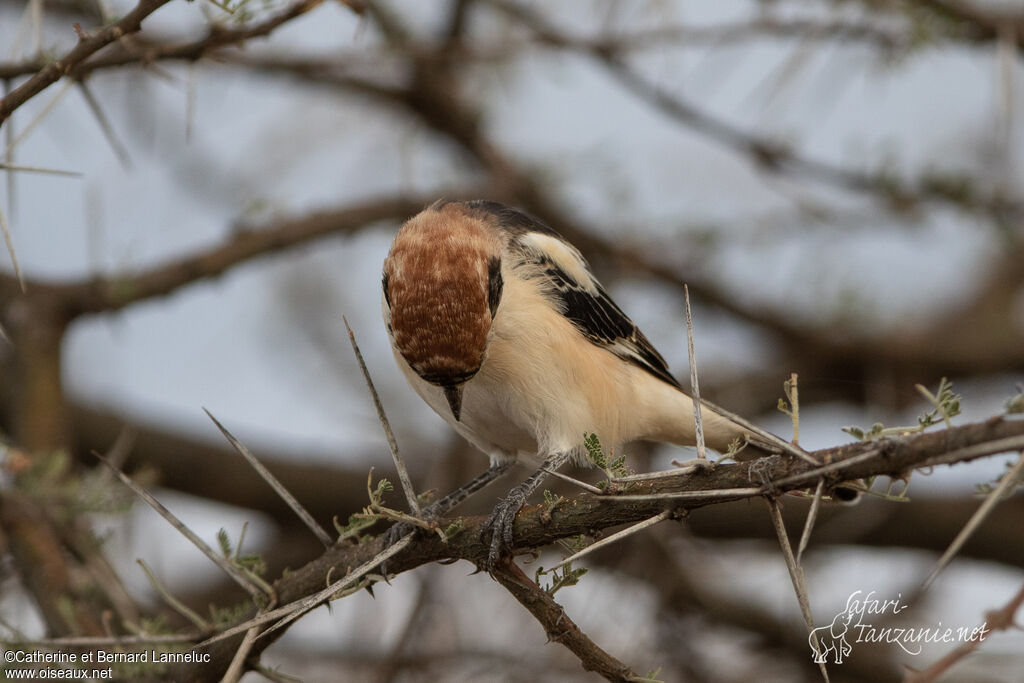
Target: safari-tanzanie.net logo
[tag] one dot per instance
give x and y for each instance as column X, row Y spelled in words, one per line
column 869, row 619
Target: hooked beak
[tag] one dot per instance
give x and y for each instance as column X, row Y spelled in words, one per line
column 453, row 394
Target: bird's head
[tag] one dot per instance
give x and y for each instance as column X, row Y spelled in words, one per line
column 442, row 284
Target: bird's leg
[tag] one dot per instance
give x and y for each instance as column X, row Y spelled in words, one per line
column 499, row 524
column 449, row 502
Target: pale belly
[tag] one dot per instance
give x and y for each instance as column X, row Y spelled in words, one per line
column 488, row 422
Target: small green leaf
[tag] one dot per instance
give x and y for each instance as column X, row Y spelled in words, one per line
column 594, row 450
column 224, row 542
column 452, row 529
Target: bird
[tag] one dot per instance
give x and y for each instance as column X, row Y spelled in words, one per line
column 501, row 327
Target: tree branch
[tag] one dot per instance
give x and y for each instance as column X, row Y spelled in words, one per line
column 87, row 45
column 771, row 155
column 557, row 624
column 541, row 525
column 114, row 293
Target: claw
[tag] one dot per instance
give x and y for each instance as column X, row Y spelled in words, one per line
column 397, row 532
column 392, row 536
column 499, row 526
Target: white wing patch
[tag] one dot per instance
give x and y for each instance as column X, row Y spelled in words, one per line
column 564, row 257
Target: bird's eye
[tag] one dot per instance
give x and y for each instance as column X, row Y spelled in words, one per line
column 494, row 283
column 384, row 285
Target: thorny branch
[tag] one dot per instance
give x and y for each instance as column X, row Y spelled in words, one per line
column 429, row 96
column 537, row 526
column 770, row 155
column 87, row 46
column 557, row 624
column 113, row 293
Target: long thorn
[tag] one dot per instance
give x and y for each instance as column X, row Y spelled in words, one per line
column 617, row 536
column 694, row 384
column 812, row 517
column 38, row 118
column 572, row 480
column 660, row 474
column 403, row 474
column 8, row 157
column 688, row 495
column 231, row 570
column 772, row 439
column 1007, row 483
column 275, row 484
column 304, row 604
column 108, row 130
column 796, row 574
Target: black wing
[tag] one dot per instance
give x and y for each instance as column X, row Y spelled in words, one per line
column 586, row 304
column 602, row 322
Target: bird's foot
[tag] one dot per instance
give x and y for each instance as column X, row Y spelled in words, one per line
column 498, row 526
column 397, row 532
column 400, row 530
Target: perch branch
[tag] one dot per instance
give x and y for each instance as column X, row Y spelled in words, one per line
column 538, row 526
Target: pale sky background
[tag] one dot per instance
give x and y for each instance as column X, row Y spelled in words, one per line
column 260, row 149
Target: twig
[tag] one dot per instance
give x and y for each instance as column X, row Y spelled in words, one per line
column 1001, row 619
column 10, row 250
column 557, row 624
column 94, row 295
column 796, row 574
column 217, row 37
column 617, row 536
column 173, row 602
column 299, row 607
column 403, row 474
column 237, row 668
column 792, row 392
column 694, row 385
column 52, row 72
column 587, row 512
column 275, row 484
column 231, row 570
column 20, row 168
column 766, row 154
column 1007, row 483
